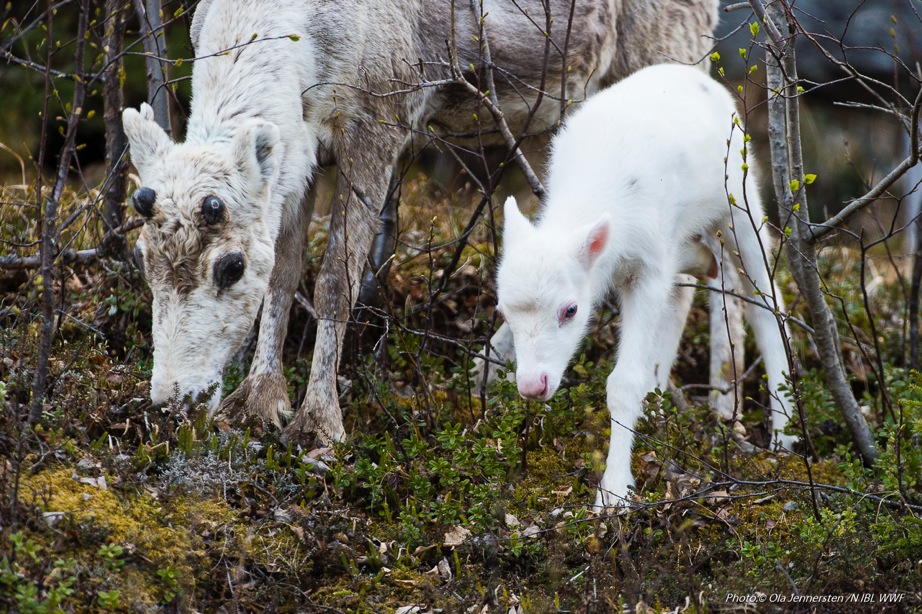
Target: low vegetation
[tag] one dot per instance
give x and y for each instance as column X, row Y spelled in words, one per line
column 443, row 499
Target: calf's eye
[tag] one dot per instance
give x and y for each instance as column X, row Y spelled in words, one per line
column 566, row 313
column 228, row 269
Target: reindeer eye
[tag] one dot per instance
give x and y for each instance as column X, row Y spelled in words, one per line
column 567, row 313
column 212, row 210
column 143, row 201
column 228, row 269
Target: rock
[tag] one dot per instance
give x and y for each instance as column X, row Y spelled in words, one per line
column 52, row 518
column 444, row 569
column 85, row 465
column 456, row 536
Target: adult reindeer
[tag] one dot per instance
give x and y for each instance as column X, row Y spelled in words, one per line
column 281, row 87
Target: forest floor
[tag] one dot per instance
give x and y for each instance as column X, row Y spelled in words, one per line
column 444, row 499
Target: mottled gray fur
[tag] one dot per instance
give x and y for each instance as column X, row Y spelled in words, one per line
column 352, row 57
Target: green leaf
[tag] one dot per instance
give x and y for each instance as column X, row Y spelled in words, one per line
column 715, row 57
column 809, row 178
column 754, row 28
column 742, row 53
column 795, row 185
column 294, row 37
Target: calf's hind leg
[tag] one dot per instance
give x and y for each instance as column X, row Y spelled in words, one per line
column 768, row 331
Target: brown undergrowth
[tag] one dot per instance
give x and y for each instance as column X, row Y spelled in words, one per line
column 443, row 499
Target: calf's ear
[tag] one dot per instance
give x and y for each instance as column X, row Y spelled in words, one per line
column 591, row 241
column 515, row 225
column 148, row 142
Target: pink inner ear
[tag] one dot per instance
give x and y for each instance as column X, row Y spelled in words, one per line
column 597, row 240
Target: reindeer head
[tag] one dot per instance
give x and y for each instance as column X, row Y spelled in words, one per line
column 207, row 246
column 545, row 295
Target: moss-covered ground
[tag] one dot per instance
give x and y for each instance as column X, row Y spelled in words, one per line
column 443, row 499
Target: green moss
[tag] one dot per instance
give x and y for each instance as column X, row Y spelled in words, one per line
column 156, row 534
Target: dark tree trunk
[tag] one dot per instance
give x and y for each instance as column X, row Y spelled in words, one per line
column 49, row 206
column 155, row 48
column 116, row 142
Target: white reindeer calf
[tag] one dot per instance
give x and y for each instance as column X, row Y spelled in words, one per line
column 637, row 197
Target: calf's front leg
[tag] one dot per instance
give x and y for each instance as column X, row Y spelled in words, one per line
column 648, row 311
column 501, row 347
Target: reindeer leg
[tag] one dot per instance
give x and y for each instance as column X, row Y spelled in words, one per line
column 361, row 187
column 502, row 348
column 645, row 307
column 768, row 331
column 264, row 392
column 727, row 337
column 382, row 248
column 669, row 331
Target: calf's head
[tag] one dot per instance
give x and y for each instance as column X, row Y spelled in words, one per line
column 207, row 247
column 544, row 287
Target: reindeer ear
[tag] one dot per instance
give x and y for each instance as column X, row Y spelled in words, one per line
column 198, row 22
column 256, row 150
column 515, row 226
column 591, row 241
column 149, row 143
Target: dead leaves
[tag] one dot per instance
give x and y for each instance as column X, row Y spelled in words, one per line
column 456, row 536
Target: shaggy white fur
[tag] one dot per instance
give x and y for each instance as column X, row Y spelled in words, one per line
column 637, row 198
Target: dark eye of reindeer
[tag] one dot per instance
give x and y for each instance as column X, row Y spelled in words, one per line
column 212, row 210
column 566, row 313
column 143, row 201
column 228, row 269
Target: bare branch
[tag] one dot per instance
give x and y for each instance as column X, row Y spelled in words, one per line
column 50, row 205
column 821, row 230
column 490, row 101
column 12, row 262
column 787, row 164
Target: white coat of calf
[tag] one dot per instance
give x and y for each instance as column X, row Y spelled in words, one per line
column 637, row 198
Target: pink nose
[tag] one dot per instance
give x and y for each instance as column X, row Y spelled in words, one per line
column 533, row 388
